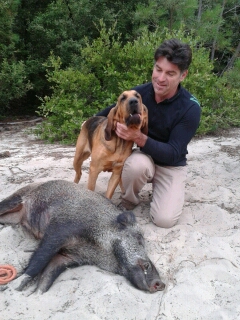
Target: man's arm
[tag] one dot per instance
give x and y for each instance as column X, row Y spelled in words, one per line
column 131, row 134
column 170, row 152
column 180, row 136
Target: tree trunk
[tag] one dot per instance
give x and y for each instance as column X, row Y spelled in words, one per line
column 199, row 11
column 217, row 31
column 232, row 60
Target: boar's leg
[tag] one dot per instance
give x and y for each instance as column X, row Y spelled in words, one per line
column 54, row 238
column 56, row 266
column 11, row 210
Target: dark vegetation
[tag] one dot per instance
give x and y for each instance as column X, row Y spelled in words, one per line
column 67, row 59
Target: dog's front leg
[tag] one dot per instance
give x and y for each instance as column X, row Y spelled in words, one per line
column 93, row 175
column 114, row 181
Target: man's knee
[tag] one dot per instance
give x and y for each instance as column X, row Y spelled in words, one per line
column 163, row 222
column 131, row 168
column 164, row 219
column 139, row 164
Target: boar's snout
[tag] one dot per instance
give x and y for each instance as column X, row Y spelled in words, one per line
column 152, row 277
column 144, row 276
column 156, row 285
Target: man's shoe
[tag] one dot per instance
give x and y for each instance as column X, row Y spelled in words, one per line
column 125, row 205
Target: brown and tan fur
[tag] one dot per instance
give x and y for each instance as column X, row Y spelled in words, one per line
column 98, row 139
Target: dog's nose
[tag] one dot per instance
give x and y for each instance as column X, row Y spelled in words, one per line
column 133, row 105
column 133, row 102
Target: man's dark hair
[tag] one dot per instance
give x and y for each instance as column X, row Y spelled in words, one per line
column 176, row 52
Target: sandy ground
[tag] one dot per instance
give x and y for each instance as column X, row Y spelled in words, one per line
column 198, row 259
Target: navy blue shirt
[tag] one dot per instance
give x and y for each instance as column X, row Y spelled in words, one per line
column 171, row 125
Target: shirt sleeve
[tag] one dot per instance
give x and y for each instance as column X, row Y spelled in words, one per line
column 105, row 111
column 169, row 153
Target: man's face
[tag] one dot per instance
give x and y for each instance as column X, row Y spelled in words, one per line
column 166, row 77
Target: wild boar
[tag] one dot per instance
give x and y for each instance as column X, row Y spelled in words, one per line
column 78, row 227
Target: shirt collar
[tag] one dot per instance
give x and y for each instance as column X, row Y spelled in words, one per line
column 166, row 101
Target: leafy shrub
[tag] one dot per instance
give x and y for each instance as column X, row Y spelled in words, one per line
column 218, row 95
column 105, row 67
column 14, row 83
column 73, row 100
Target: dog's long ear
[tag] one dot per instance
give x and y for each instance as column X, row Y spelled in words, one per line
column 144, row 127
column 111, row 124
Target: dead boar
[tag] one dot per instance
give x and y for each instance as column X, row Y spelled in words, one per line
column 78, row 227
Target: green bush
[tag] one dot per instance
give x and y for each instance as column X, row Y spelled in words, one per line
column 14, row 83
column 219, row 96
column 105, row 67
column 73, row 100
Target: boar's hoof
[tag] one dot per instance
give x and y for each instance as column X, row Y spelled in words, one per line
column 20, row 283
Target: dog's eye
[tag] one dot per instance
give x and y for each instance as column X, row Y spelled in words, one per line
column 123, row 97
column 137, row 95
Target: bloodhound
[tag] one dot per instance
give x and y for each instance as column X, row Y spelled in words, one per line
column 108, row 151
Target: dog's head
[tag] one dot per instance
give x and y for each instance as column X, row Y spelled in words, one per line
column 129, row 110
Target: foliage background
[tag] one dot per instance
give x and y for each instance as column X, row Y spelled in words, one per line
column 67, row 59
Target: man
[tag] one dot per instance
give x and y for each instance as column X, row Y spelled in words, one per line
column 174, row 116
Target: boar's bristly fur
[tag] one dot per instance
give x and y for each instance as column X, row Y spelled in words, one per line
column 78, row 227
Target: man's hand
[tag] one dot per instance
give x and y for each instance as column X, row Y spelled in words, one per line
column 131, row 134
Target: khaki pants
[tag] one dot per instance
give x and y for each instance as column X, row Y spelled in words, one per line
column 168, row 187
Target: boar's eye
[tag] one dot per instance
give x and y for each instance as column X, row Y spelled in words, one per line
column 145, row 265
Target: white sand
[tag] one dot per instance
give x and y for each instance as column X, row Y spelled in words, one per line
column 198, row 259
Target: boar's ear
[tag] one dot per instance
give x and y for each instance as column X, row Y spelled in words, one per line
column 125, row 218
